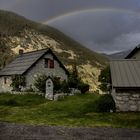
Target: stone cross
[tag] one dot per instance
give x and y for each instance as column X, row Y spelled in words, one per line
column 49, row 89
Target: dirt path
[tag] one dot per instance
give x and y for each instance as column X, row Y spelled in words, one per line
column 10, row 131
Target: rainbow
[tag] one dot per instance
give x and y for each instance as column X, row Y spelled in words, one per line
column 93, row 10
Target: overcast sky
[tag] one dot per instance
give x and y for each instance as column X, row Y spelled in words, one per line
column 101, row 25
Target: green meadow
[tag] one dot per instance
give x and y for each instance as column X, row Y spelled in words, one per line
column 73, row 111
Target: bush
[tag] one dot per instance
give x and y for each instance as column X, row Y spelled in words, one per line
column 61, row 86
column 73, row 82
column 17, row 82
column 83, row 87
column 65, row 87
column 40, row 83
column 103, row 103
column 57, row 84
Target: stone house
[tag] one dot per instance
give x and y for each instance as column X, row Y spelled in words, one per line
column 125, row 77
column 30, row 65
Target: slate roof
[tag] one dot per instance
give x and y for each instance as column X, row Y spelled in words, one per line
column 125, row 73
column 25, row 61
column 136, row 49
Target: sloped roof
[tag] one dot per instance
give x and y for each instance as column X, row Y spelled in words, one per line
column 136, row 49
column 125, row 73
column 25, row 61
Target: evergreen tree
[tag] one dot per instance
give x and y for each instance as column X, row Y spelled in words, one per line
column 104, row 78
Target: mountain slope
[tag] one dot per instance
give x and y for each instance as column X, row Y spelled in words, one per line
column 119, row 55
column 17, row 32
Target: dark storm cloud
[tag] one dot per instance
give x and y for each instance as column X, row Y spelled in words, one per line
column 104, row 31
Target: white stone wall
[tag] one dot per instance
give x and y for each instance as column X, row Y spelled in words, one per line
column 5, row 87
column 127, row 101
column 40, row 69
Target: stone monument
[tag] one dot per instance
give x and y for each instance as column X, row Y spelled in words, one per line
column 49, row 89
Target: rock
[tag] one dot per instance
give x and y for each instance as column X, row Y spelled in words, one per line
column 136, row 95
column 133, row 108
column 118, row 98
column 58, row 96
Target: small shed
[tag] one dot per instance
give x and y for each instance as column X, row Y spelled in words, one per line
column 125, row 77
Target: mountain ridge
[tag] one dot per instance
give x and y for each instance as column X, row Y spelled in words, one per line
column 17, row 32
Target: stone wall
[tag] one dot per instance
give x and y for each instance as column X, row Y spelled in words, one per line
column 127, row 101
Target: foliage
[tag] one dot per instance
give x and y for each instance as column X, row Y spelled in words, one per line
column 72, row 111
column 40, row 82
column 6, row 55
column 72, row 81
column 57, row 84
column 103, row 103
column 83, row 87
column 75, row 82
column 61, row 86
column 65, row 87
column 104, row 78
column 18, row 81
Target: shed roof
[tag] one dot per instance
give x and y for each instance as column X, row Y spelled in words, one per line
column 25, row 61
column 125, row 73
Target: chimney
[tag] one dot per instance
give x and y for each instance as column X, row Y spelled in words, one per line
column 21, row 52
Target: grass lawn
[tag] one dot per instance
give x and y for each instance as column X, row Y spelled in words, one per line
column 72, row 111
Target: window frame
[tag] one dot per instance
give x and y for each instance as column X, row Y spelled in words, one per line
column 48, row 63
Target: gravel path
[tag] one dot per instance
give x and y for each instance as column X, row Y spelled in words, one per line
column 10, row 131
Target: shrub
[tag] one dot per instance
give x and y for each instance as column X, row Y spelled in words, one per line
column 83, row 87
column 65, row 87
column 61, row 86
column 40, row 83
column 17, row 82
column 57, row 84
column 72, row 82
column 103, row 103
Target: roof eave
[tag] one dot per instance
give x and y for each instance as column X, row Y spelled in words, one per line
column 46, row 52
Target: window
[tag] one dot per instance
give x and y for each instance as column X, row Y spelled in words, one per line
column 5, row 80
column 49, row 63
column 46, row 63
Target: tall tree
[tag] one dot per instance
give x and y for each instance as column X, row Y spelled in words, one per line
column 104, row 79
